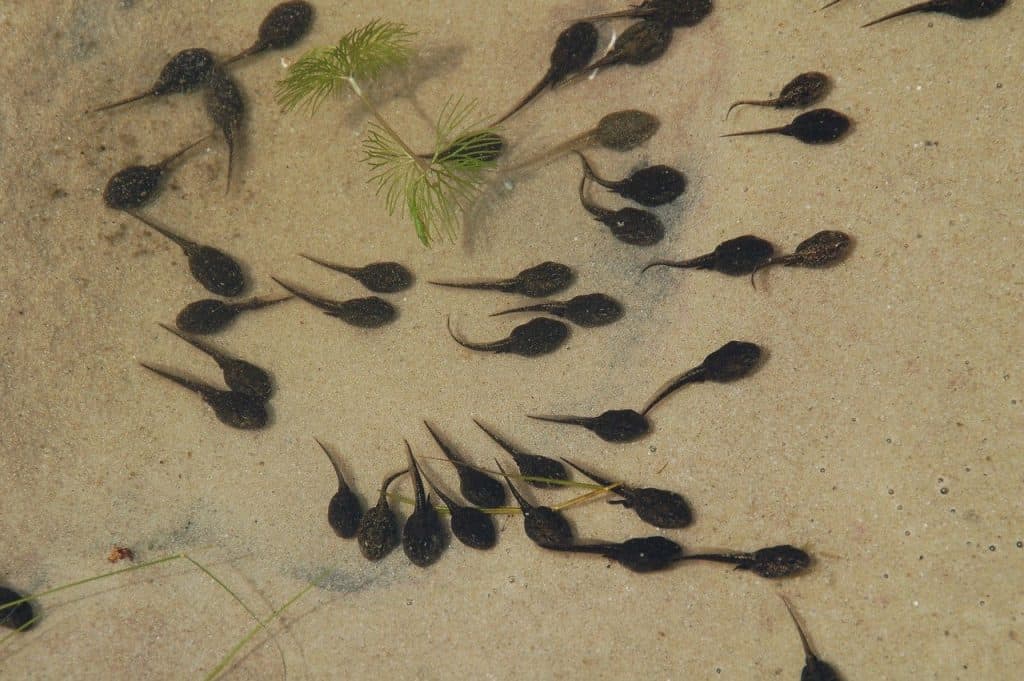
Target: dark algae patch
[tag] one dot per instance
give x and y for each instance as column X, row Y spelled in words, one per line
column 773, row 562
column 588, row 310
column 285, row 25
column 651, row 186
column 234, row 409
column 530, row 465
column 211, row 315
column 136, row 186
column 820, row 126
column 379, row 277
column 186, row 71
column 423, row 534
column 476, row 487
column 545, row 526
column 961, row 9
column 815, row 669
column 539, row 281
column 18, row 617
column 658, row 507
column 643, row 554
column 239, row 375
column 803, row 91
column 367, row 313
column 377, row 533
column 536, row 337
column 344, row 510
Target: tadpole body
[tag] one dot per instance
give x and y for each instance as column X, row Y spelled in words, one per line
column 184, row 72
column 234, row 409
column 539, row 281
column 961, row 9
column 641, row 43
column 674, row 13
column 643, row 554
column 476, row 487
column 651, row 186
column 545, row 526
column 379, row 277
column 469, row 524
column 536, row 337
column 629, row 225
column 344, row 511
column 366, row 313
column 377, row 533
column 819, row 250
column 803, row 91
column 239, row 375
column 773, row 562
column 815, row 669
column 226, row 108
column 588, row 310
column 530, row 465
column 819, row 126
column 135, row 186
column 16, row 616
column 732, row 361
column 423, row 533
column 735, row 257
column 211, row 315
column 284, row 25
column 214, row 269
column 615, row 425
column 658, row 507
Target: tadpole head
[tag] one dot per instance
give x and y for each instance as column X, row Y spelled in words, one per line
column 186, row 71
column 822, row 249
column 473, row 527
column 778, row 561
column 538, row 336
column 677, row 13
column 132, row 187
column 285, row 25
column 742, row 255
column 732, row 361
column 344, row 513
column 573, row 50
column 625, row 130
column 377, row 533
column 249, row 379
column 648, row 554
column 660, row 508
column 16, row 616
column 635, row 227
column 216, row 271
column 545, row 279
column 620, row 425
column 205, row 316
column 804, row 90
column 593, row 309
column 653, row 186
column 820, row 126
column 238, row 410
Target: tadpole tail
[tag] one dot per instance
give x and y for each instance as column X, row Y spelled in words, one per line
column 808, row 652
column 599, row 549
column 604, row 482
column 329, row 265
column 523, row 503
column 231, row 163
column 781, row 129
column 322, row 303
column 417, row 481
column 501, row 442
column 257, row 303
column 618, row 14
column 448, row 451
column 749, row 102
column 218, row 356
column 194, row 386
column 480, row 285
column 121, row 102
column 568, row 420
column 176, row 155
column 834, row 2
column 539, row 307
column 527, row 98
column 387, row 483
column 731, row 558
column 702, row 263
column 600, row 214
column 255, row 48
column 186, row 245
column 464, row 343
column 694, row 375
column 899, row 13
column 334, row 463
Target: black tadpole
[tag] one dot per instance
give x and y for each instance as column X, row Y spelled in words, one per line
column 423, row 533
column 226, row 108
column 961, row 9
column 367, row 313
column 539, row 281
column 735, row 257
column 536, row 337
column 641, row 43
column 530, row 465
column 469, row 524
column 379, row 277
column 732, row 361
column 285, row 25
column 135, row 186
column 186, row 71
column 651, row 186
column 239, row 375
column 214, row 269
column 771, row 563
column 674, row 13
column 211, row 315
column 629, row 225
column 477, row 487
column 820, row 126
column 658, row 507
column 804, row 90
column 545, row 526
column 588, row 310
column 234, row 409
column 378, row 528
column 815, row 669
column 19, row 617
column 615, row 425
column 643, row 554
column 344, row 511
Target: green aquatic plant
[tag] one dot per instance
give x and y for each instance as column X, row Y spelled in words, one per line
column 435, row 189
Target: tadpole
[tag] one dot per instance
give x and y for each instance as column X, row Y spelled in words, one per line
column 226, row 108
column 186, row 71
column 344, row 511
column 674, row 13
column 641, row 43
column 735, row 257
column 284, row 25
column 423, row 532
column 805, row 89
column 378, row 528
column 210, row 315
column 629, row 225
column 536, row 337
column 618, row 131
column 815, row 669
column 214, row 269
column 961, row 9
column 615, row 425
column 819, row 250
column 651, row 186
column 470, row 525
column 477, row 487
column 819, row 126
column 545, row 526
column 135, row 186
column 16, row 616
column 589, row 310
column 658, row 507
column 367, row 313
column 539, row 281
column 239, row 375
column 234, row 409
column 732, row 361
column 574, row 48
column 530, row 465
column 379, row 277
column 772, row 563
column 643, row 554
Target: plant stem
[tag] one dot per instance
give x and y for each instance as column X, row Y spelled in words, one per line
column 423, row 164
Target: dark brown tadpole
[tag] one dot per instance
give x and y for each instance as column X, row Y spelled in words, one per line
column 284, row 25
column 210, row 315
column 379, row 277
column 234, row 409
column 643, row 554
column 615, row 425
column 135, row 186
column 423, row 533
column 629, row 225
column 539, row 281
column 536, row 337
column 641, row 43
column 815, row 669
column 530, row 465
column 378, row 528
column 732, row 361
column 735, row 257
column 226, row 108
column 214, row 269
column 239, row 375
column 819, row 126
column 477, row 487
column 545, row 526
column 18, row 617
column 961, row 9
column 819, row 250
column 772, row 563
column 186, row 71
column 367, row 313
column 674, row 13
column 658, row 507
column 651, row 186
column 344, row 511
column 574, row 48
column 589, row 310
column 804, row 90
column 470, row 525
